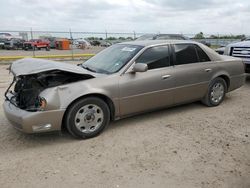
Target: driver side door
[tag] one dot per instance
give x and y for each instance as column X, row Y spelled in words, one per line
column 145, row 91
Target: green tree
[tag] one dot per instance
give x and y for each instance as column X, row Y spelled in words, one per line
column 111, row 38
column 121, row 38
column 199, row 35
column 129, row 38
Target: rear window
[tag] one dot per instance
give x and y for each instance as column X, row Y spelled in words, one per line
column 202, row 55
column 185, row 54
column 189, row 53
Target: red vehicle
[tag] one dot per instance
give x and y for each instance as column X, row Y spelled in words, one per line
column 36, row 44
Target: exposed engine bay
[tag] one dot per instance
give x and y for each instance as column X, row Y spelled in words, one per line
column 26, row 90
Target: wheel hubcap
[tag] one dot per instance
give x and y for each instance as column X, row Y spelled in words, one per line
column 89, row 118
column 217, row 92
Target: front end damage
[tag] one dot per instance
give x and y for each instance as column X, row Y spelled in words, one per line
column 26, row 109
column 25, row 94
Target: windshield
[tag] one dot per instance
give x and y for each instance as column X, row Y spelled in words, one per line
column 112, row 59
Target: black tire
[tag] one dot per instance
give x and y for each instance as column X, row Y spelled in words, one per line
column 47, row 48
column 208, row 99
column 69, row 120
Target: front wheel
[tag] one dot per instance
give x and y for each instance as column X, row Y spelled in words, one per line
column 216, row 92
column 87, row 117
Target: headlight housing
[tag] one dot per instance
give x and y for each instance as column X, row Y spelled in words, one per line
column 42, row 103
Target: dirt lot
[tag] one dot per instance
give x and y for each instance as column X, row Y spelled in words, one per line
column 188, row 146
column 93, row 49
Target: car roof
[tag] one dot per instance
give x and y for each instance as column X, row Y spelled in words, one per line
column 157, row 42
column 214, row 56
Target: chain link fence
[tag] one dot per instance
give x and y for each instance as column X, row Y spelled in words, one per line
column 71, row 44
column 62, row 44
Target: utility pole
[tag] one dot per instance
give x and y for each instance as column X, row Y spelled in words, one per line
column 106, row 34
column 71, row 38
column 31, row 35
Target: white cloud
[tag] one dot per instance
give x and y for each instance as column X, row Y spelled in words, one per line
column 165, row 16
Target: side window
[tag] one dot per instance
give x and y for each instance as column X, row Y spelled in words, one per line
column 185, row 54
column 202, row 55
column 155, row 57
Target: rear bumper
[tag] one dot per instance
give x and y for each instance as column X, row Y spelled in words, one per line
column 247, row 65
column 247, row 68
column 237, row 81
column 33, row 122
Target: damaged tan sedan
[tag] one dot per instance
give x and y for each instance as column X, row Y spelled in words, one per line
column 122, row 80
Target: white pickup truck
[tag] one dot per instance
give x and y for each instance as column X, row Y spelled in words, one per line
column 240, row 49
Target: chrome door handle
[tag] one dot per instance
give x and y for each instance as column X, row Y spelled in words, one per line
column 166, row 76
column 208, row 70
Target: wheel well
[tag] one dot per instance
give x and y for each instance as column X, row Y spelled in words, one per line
column 106, row 99
column 227, row 80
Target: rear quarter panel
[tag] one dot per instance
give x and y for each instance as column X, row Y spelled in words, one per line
column 234, row 69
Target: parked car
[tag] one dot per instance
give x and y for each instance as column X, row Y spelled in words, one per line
column 5, row 35
column 81, row 43
column 36, row 44
column 220, row 50
column 105, row 43
column 95, row 43
column 162, row 37
column 241, row 50
column 9, row 36
column 14, row 44
column 206, row 43
column 2, row 41
column 120, row 81
column 52, row 41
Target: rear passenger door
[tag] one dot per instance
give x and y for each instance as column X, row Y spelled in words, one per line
column 192, row 72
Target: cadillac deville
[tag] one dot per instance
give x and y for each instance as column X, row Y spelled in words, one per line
column 122, row 80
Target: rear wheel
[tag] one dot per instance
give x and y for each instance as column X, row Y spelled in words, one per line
column 216, row 92
column 87, row 117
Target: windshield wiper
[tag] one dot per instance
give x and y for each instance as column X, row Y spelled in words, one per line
column 87, row 68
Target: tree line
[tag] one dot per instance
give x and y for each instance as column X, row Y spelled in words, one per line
column 200, row 35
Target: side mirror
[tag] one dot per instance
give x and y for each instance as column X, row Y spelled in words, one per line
column 140, row 67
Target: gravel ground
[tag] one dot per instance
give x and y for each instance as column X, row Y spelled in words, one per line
column 189, row 146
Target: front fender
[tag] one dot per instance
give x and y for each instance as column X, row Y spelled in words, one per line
column 60, row 97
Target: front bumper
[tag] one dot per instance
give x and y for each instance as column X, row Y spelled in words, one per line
column 33, row 122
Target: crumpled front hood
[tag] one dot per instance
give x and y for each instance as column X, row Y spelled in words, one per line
column 29, row 66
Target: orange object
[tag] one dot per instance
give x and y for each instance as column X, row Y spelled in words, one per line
column 62, row 44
